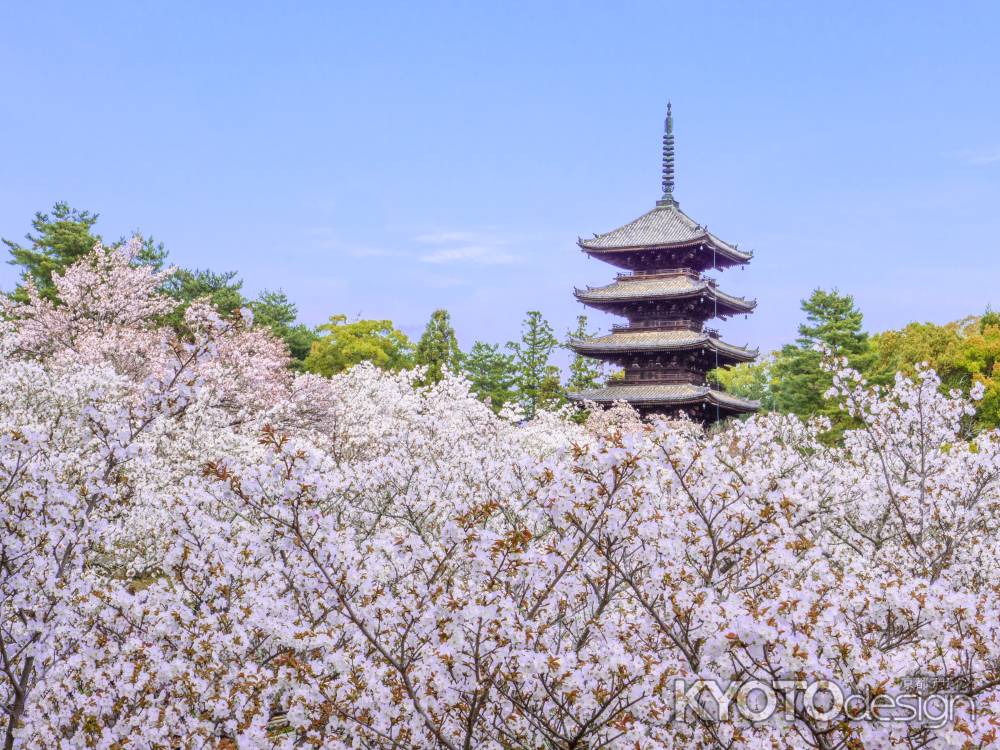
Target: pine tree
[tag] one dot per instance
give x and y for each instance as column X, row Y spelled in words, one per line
column 438, row 348
column 491, row 373
column 537, row 380
column 223, row 290
column 834, row 324
column 63, row 237
column 585, row 373
column 273, row 310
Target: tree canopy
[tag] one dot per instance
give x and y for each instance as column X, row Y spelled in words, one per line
column 274, row 311
column 341, row 344
column 536, row 377
column 491, row 373
column 833, row 327
column 437, row 350
column 202, row 549
column 62, row 237
column 65, row 235
column 585, row 373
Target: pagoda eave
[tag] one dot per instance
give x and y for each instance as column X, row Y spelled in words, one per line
column 652, row 342
column 609, row 302
column 705, row 244
column 668, row 396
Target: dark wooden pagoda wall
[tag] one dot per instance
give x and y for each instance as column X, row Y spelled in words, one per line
column 688, row 313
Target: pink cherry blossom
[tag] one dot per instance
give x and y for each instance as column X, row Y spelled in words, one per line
column 200, row 550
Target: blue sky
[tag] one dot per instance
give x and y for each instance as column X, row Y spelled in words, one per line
column 385, row 159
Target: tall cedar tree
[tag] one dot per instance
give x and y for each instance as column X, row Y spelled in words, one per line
column 61, row 238
column 537, row 380
column 585, row 373
column 491, row 373
column 341, row 345
column 833, row 323
column 438, row 349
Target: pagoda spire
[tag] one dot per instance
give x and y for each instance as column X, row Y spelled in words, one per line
column 668, row 159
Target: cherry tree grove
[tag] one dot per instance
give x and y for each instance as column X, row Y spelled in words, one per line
column 200, row 550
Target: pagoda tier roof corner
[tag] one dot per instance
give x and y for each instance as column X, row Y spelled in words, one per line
column 664, row 226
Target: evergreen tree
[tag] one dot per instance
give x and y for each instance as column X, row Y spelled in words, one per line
column 585, row 373
column 273, row 310
column 66, row 234
column 491, row 373
column 223, row 290
column 833, row 323
column 537, row 380
column 342, row 345
column 61, row 238
column 438, row 348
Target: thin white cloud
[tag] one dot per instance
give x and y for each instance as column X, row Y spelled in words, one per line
column 981, row 158
column 480, row 254
column 437, row 248
column 452, row 246
column 326, row 239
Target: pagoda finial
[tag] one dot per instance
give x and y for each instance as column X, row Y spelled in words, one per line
column 668, row 158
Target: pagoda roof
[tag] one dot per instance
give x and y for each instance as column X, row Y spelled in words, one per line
column 665, row 226
column 654, row 341
column 635, row 288
column 666, row 394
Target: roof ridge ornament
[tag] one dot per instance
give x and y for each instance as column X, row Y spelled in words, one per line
column 668, row 161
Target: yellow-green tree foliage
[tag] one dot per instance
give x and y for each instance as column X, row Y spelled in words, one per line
column 750, row 380
column 342, row 345
column 962, row 353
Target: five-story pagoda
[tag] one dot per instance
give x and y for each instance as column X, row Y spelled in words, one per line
column 665, row 349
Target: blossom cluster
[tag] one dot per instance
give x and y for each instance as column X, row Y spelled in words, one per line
column 198, row 549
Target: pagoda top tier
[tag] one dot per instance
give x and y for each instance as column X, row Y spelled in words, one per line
column 665, row 228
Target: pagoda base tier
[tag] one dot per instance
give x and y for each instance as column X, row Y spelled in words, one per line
column 700, row 402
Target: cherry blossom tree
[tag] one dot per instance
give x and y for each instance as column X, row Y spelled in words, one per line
column 200, row 549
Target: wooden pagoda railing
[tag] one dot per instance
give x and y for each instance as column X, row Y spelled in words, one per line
column 632, row 275
column 681, row 324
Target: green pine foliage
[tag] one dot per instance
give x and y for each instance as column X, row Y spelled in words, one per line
column 437, row 350
column 538, row 382
column 223, row 290
column 834, row 326
column 491, row 373
column 585, row 373
column 65, row 234
column 273, row 310
column 61, row 237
